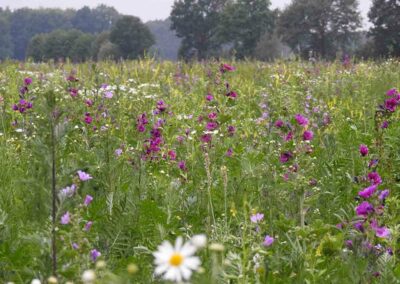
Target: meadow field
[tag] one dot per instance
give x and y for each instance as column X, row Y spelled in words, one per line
column 213, row 172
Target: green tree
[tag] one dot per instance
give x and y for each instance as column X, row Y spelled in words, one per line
column 6, row 47
column 166, row 42
column 131, row 36
column 385, row 15
column 196, row 22
column 321, row 26
column 244, row 22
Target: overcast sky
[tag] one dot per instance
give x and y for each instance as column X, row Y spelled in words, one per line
column 145, row 9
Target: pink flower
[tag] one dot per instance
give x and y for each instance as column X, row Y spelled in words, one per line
column 88, row 225
column 301, row 120
column 368, row 192
column 88, row 200
column 364, row 209
column 308, row 135
column 268, row 241
column 84, row 176
column 227, row 68
column 66, row 218
column 255, row 218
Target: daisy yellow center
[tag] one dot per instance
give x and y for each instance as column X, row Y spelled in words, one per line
column 176, row 259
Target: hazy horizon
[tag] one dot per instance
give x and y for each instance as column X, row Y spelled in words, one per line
column 149, row 10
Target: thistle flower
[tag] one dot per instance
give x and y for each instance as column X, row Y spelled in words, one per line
column 368, row 192
column 308, row 135
column 176, row 263
column 363, row 150
column 391, row 92
column 375, row 178
column 285, row 157
column 391, row 104
column 209, row 97
column 364, row 209
column 301, row 120
column 27, row 81
column 279, row 123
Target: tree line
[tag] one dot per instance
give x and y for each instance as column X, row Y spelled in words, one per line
column 199, row 29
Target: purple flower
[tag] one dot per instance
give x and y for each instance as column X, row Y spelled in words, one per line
column 364, row 209
column 68, row 191
column 301, row 120
column 182, row 165
column 385, row 124
column 349, row 243
column 268, row 240
column 232, row 95
column 212, row 115
column 161, row 106
column 285, row 157
column 88, row 225
column 255, row 218
column 212, row 125
column 368, row 192
column 363, row 150
column 308, row 135
column 108, row 95
column 229, row 152
column 84, row 176
column 75, row 246
column 88, row 200
column 359, row 226
column 289, row 136
column 375, row 178
column 118, row 152
column 206, row 138
column 279, row 123
column 231, row 130
column 383, row 194
column 209, row 97
column 390, row 104
column 27, row 81
column 391, row 92
column 382, row 232
column 66, row 218
column 94, row 254
column 88, row 118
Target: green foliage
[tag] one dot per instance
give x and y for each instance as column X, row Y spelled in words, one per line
column 385, row 31
column 131, row 37
column 324, row 27
column 244, row 22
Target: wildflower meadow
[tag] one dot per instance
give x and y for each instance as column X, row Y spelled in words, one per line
column 213, row 172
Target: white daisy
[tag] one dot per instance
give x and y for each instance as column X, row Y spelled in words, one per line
column 176, row 263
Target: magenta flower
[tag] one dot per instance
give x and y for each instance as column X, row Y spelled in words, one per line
column 375, row 178
column 211, row 125
column 88, row 200
column 212, row 115
column 108, row 95
column 255, row 218
column 27, row 81
column 268, row 241
column 209, row 97
column 390, row 104
column 84, row 176
column 94, row 254
column 308, row 135
column 182, row 165
column 301, row 120
column 206, row 138
column 66, row 218
column 364, row 209
column 88, row 225
column 363, row 150
column 229, row 152
column 285, row 157
column 380, row 232
column 391, row 92
column 161, row 106
column 279, row 123
column 73, row 92
column 231, row 95
column 231, row 130
column 289, row 136
column 359, row 226
column 368, row 192
column 88, row 118
column 227, row 68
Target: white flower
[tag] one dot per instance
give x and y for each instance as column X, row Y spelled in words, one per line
column 36, row 281
column 88, row 276
column 176, row 263
column 199, row 241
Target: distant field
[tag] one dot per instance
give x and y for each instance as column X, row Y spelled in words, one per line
column 283, row 167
